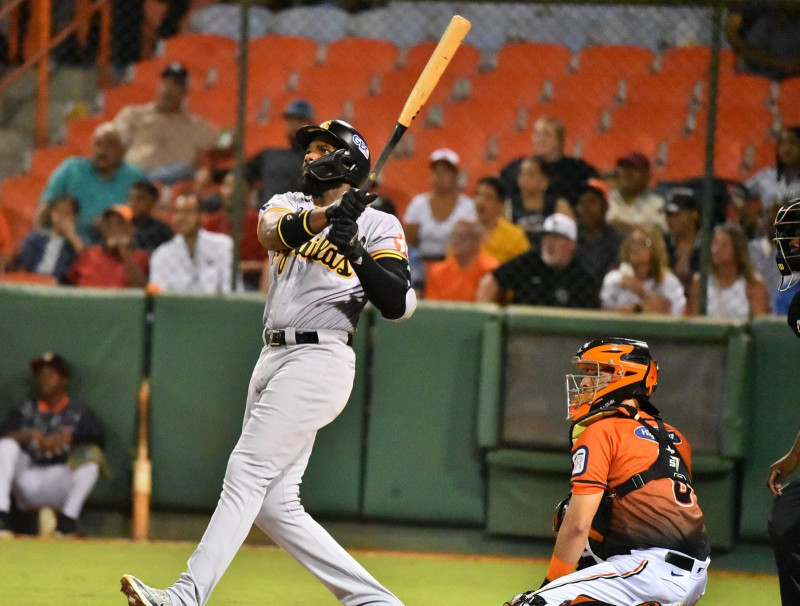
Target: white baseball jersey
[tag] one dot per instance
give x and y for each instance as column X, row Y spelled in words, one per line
column 314, row 287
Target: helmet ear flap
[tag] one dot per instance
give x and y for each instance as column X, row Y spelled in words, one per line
column 651, row 377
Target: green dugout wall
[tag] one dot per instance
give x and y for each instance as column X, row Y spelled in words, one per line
column 101, row 334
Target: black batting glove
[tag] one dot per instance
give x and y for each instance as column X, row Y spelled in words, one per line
column 351, row 206
column 524, row 599
column 344, row 236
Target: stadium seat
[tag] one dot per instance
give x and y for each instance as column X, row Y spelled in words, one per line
column 745, row 123
column 695, row 61
column 44, row 160
column 603, row 150
column 217, row 105
column 375, row 117
column 744, row 89
column 404, row 178
column 25, row 277
column 117, row 97
column 729, row 155
column 621, row 59
column 788, row 105
column 201, row 50
column 517, row 87
column 259, row 136
column 372, row 55
column 267, row 79
column 587, row 88
column 470, row 145
column 7, row 244
column 399, row 82
column 664, row 88
column 464, row 62
column 685, row 159
column 512, row 145
column 764, row 155
column 335, row 80
column 661, row 122
column 80, row 132
column 292, row 52
column 548, row 60
column 19, row 197
column 488, row 115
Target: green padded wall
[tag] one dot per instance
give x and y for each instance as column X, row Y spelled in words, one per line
column 423, row 462
column 101, row 334
column 775, row 418
column 204, row 350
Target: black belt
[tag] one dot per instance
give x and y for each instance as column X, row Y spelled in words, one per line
column 276, row 338
column 681, row 561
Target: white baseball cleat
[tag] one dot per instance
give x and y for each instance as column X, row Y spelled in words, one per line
column 139, row 594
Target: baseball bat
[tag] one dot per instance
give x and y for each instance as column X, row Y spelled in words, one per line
column 142, row 469
column 438, row 62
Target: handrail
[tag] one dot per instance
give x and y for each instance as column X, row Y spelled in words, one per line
column 47, row 43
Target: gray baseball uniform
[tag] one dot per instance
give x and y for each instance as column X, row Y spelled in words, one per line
column 294, row 391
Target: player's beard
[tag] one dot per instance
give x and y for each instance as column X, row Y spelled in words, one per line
column 311, row 186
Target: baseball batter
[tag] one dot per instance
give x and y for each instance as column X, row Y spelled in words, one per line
column 330, row 253
column 633, row 513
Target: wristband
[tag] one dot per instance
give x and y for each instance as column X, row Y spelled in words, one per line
column 558, row 568
column 294, row 229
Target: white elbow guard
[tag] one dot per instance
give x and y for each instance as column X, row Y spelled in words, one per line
column 411, row 305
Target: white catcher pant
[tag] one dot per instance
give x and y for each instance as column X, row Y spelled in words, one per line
column 631, row 579
column 294, row 391
column 36, row 486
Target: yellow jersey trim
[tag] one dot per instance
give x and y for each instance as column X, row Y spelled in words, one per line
column 392, row 254
column 306, row 226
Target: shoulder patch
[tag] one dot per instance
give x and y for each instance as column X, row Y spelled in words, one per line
column 579, row 458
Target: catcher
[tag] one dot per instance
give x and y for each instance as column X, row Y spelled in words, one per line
column 632, row 519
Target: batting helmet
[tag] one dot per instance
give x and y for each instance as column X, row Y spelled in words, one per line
column 349, row 163
column 787, row 239
column 615, row 369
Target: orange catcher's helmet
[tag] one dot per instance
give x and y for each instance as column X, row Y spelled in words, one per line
column 612, row 370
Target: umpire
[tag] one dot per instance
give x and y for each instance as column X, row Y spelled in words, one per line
column 784, row 518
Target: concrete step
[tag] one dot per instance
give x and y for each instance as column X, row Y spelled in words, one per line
column 73, row 84
column 15, row 143
column 24, row 118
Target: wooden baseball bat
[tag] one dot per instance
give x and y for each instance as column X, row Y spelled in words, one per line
column 442, row 54
column 142, row 469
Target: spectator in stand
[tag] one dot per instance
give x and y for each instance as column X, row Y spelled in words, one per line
column 598, row 242
column 457, row 277
column 502, row 239
column 780, row 183
column 278, row 169
column 567, row 175
column 766, row 39
column 683, row 235
column 165, row 139
column 550, row 276
column 643, row 281
column 220, row 220
column 150, row 232
column 53, row 249
column 97, row 182
column 114, row 263
column 735, row 291
column 631, row 204
column 195, row 260
column 536, row 200
column 50, row 450
column 431, row 216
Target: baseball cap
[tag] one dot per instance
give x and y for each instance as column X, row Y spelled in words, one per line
column 680, row 198
column 123, row 210
column 597, row 185
column 560, row 225
column 55, row 361
column 177, row 71
column 299, row 108
column 634, row 160
column 444, row 154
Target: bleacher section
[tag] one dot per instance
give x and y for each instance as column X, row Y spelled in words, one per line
column 612, row 98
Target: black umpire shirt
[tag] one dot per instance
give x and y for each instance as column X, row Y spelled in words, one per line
column 536, row 283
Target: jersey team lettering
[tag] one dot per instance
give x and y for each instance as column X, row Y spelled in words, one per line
column 318, row 250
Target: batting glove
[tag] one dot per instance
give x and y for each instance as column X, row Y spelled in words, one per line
column 344, row 236
column 351, row 206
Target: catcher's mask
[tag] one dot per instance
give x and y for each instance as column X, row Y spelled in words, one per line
column 612, row 370
column 787, row 240
column 348, row 164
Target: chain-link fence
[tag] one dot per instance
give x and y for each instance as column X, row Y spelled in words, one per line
column 686, row 116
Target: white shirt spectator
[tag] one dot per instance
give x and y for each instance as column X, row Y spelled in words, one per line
column 730, row 302
column 647, row 209
column 766, row 186
column 613, row 295
column 434, row 235
column 208, row 271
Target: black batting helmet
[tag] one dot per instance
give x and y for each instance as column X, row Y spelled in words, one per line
column 350, row 163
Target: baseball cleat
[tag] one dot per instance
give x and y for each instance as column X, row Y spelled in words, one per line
column 139, row 594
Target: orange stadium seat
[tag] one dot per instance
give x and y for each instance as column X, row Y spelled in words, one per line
column 372, row 55
column 548, row 60
column 744, row 123
column 201, row 50
column 25, row 277
column 695, row 60
column 80, row 131
column 744, row 89
column 685, row 159
column 517, row 87
column 664, row 88
column 398, row 83
column 512, row 145
column 6, row 240
column 217, row 105
column 259, row 136
column 787, row 101
column 404, row 178
column 621, row 59
column 267, row 79
column 293, row 52
column 579, row 119
column 765, row 154
column 603, row 150
column 117, row 97
column 332, row 79
column 595, row 89
column 490, row 115
column 464, row 62
column 375, row 117
column 19, row 197
column 44, row 160
column 661, row 122
column 729, row 155
column 469, row 144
